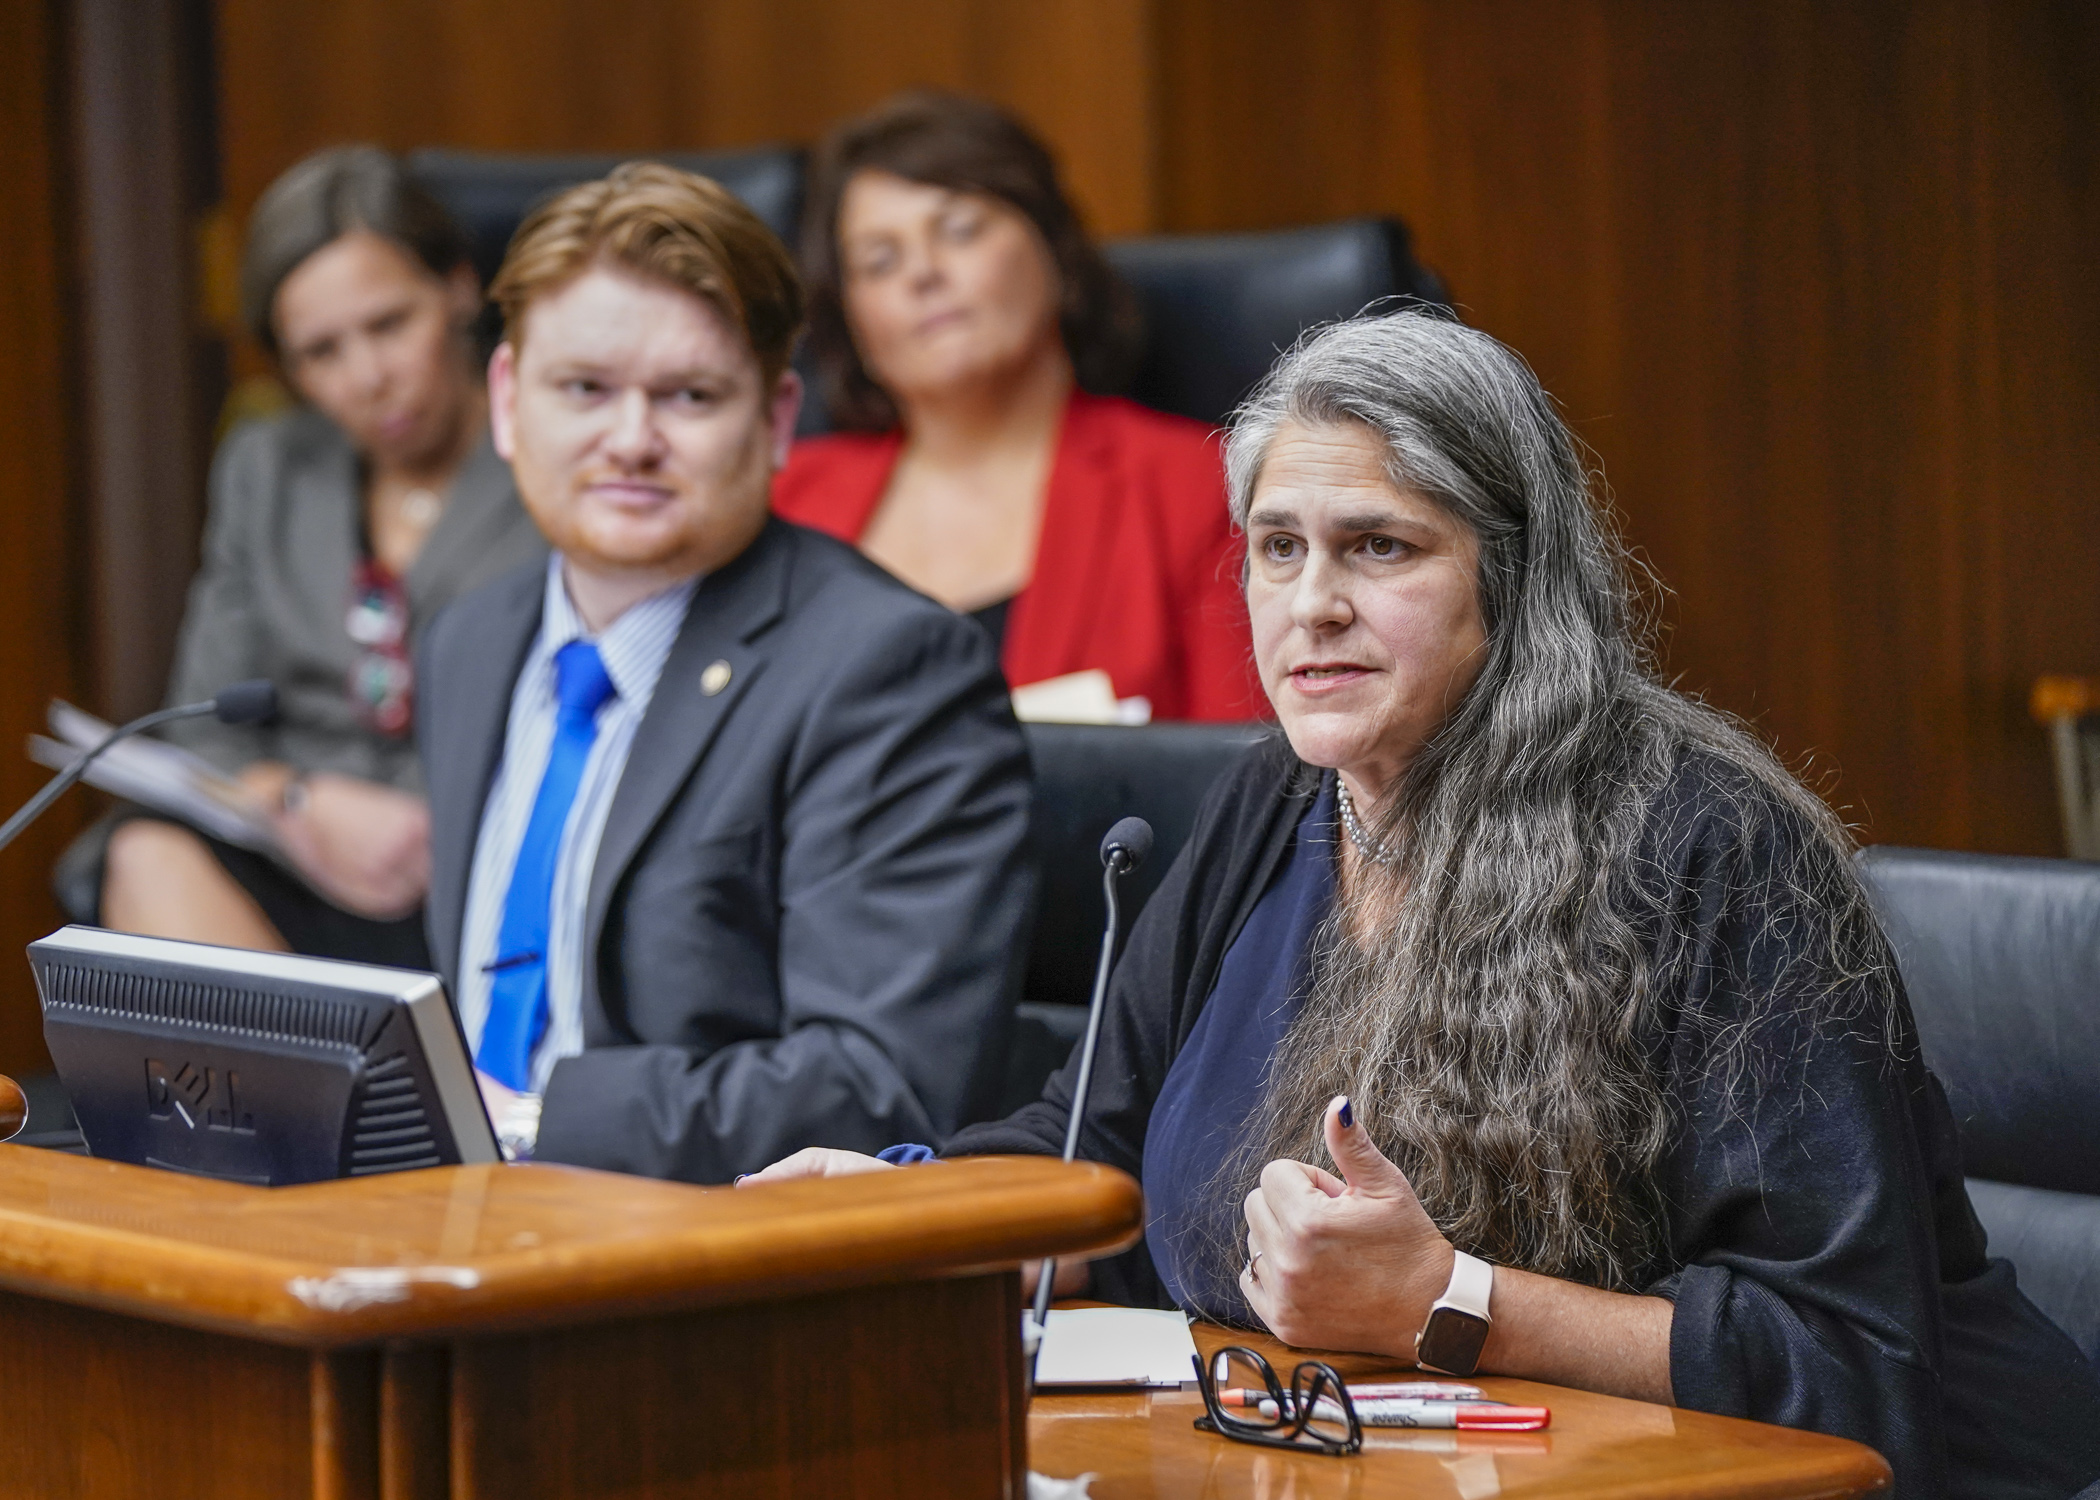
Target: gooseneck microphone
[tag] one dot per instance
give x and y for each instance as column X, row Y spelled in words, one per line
column 1122, row 851
column 244, row 703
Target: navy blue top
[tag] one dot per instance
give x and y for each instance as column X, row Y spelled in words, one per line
column 1827, row 1268
column 1216, row 1081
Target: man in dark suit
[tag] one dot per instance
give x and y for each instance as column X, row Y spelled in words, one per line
column 727, row 824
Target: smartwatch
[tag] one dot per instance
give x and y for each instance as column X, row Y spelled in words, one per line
column 1457, row 1330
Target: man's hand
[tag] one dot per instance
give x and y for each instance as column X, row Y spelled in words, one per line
column 1343, row 1263
column 364, row 846
column 497, row 1098
column 815, row 1161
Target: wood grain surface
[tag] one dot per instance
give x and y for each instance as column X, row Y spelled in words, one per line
column 104, row 1406
column 450, row 1249
column 1142, row 1446
column 343, row 1423
column 654, row 75
column 1813, row 281
column 898, row 1392
column 599, row 1336
column 415, row 1429
column 43, row 614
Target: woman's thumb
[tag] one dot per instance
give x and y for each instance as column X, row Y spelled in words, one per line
column 1357, row 1157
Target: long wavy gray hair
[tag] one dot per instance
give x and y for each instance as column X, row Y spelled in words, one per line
column 1492, row 1008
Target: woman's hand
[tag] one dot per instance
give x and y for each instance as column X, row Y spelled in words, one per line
column 265, row 781
column 1355, row 1263
column 816, row 1161
column 1343, row 1263
column 364, row 846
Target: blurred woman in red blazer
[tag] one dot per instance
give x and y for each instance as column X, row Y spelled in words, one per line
column 962, row 324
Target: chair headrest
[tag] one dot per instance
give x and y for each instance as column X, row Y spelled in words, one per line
column 1086, row 778
column 2001, row 957
column 490, row 192
column 1218, row 308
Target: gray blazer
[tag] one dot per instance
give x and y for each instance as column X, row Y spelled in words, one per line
column 271, row 598
column 808, row 914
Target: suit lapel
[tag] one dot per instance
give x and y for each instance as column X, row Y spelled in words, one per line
column 477, row 715
column 729, row 609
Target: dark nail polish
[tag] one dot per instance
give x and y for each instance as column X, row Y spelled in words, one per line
column 1347, row 1116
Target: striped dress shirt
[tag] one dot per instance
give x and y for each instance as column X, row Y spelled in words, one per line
column 634, row 649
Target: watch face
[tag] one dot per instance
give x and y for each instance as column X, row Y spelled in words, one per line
column 1451, row 1341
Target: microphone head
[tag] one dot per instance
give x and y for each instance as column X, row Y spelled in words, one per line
column 250, row 702
column 1132, row 838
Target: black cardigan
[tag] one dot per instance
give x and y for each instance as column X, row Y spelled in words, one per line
column 1827, row 1270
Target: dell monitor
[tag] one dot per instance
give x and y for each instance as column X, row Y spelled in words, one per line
column 256, row 1067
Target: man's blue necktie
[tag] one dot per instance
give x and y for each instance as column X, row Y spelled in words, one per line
column 517, row 1016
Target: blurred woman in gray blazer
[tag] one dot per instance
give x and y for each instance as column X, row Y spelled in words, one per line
column 336, row 532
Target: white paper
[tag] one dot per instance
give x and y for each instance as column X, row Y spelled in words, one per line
column 1116, row 1346
column 159, row 776
column 1087, row 697
column 1043, row 1487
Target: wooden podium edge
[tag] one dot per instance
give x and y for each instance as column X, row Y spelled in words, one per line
column 159, row 1246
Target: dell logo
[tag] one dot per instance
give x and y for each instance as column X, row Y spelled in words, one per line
column 205, row 1097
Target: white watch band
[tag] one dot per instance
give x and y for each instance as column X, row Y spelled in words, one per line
column 1472, row 1284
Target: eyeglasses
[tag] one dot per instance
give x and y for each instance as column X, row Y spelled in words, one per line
column 1315, row 1414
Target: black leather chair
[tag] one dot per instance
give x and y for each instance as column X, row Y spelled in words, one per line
column 1220, row 307
column 1087, row 777
column 2001, row 957
column 490, row 192
column 1217, row 307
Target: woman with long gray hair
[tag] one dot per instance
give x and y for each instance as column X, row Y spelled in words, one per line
column 1514, row 1012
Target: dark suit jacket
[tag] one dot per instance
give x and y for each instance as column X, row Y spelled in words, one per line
column 807, row 918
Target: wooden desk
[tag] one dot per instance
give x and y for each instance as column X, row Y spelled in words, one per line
column 1142, row 1446
column 523, row 1331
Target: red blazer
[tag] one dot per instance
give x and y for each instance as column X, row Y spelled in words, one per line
column 1137, row 571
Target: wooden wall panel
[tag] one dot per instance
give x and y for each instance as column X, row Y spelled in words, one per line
column 142, row 173
column 40, row 626
column 106, row 1405
column 1813, row 280
column 653, row 75
column 1809, row 277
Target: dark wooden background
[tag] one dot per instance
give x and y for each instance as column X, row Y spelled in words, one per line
column 1816, row 282
column 43, row 627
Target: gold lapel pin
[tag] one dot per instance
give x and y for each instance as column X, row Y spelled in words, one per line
column 715, row 678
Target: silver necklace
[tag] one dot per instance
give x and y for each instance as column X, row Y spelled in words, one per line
column 421, row 507
column 1370, row 848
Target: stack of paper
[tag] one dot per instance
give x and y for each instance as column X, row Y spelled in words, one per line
column 1116, row 1346
column 159, row 776
column 1087, row 697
